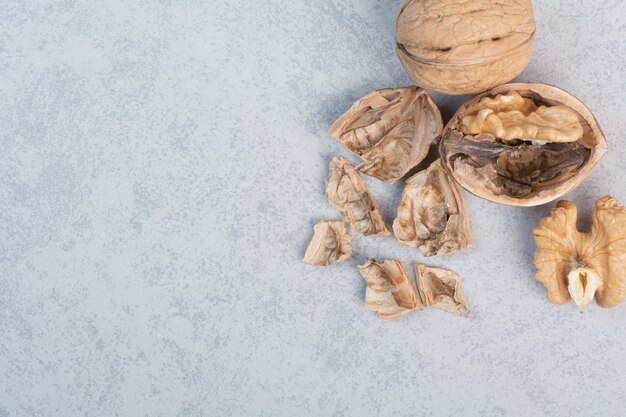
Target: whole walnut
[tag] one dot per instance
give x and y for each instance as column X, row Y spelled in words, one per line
column 464, row 46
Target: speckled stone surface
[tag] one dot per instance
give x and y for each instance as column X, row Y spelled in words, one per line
column 162, row 166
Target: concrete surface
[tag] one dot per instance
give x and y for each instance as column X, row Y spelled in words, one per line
column 162, row 166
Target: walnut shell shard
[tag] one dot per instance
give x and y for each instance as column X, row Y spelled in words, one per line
column 432, row 214
column 563, row 253
column 330, row 243
column 462, row 47
column 391, row 130
column 346, row 192
column 531, row 163
column 389, row 291
column 441, row 288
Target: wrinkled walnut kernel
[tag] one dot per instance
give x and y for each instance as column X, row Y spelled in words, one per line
column 571, row 264
column 330, row 243
column 389, row 291
column 346, row 192
column 511, row 116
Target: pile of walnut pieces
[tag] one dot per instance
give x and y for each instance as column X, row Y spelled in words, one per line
column 391, row 293
column 517, row 144
column 391, row 131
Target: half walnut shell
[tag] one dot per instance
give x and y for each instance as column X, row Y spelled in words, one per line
column 522, row 144
column 391, row 131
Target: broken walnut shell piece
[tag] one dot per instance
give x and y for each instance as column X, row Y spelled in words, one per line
column 346, row 192
column 432, row 214
column 544, row 143
column 330, row 243
column 572, row 264
column 391, row 131
column 463, row 47
column 389, row 291
column 441, row 288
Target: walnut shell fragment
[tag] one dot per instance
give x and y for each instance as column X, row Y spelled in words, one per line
column 522, row 144
column 391, row 131
column 462, row 47
column 441, row 288
column 346, row 192
column 330, row 243
column 389, row 291
column 571, row 264
column 432, row 214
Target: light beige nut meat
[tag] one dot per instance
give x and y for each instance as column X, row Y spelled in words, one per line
column 576, row 265
column 441, row 288
column 462, row 47
column 510, row 116
column 432, row 215
column 522, row 144
column 330, row 243
column 391, row 131
column 389, row 291
column 346, row 192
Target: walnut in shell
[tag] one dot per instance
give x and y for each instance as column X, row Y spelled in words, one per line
column 522, row 144
column 462, row 47
column 391, row 131
column 576, row 265
column 441, row 288
column 389, row 291
column 346, row 192
column 432, row 215
column 331, row 243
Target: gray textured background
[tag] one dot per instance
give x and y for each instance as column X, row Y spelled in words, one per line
column 161, row 168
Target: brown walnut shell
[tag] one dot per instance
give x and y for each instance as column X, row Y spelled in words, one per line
column 330, row 243
column 432, row 214
column 389, row 290
column 462, row 47
column 390, row 130
column 346, row 192
column 441, row 288
column 535, row 168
